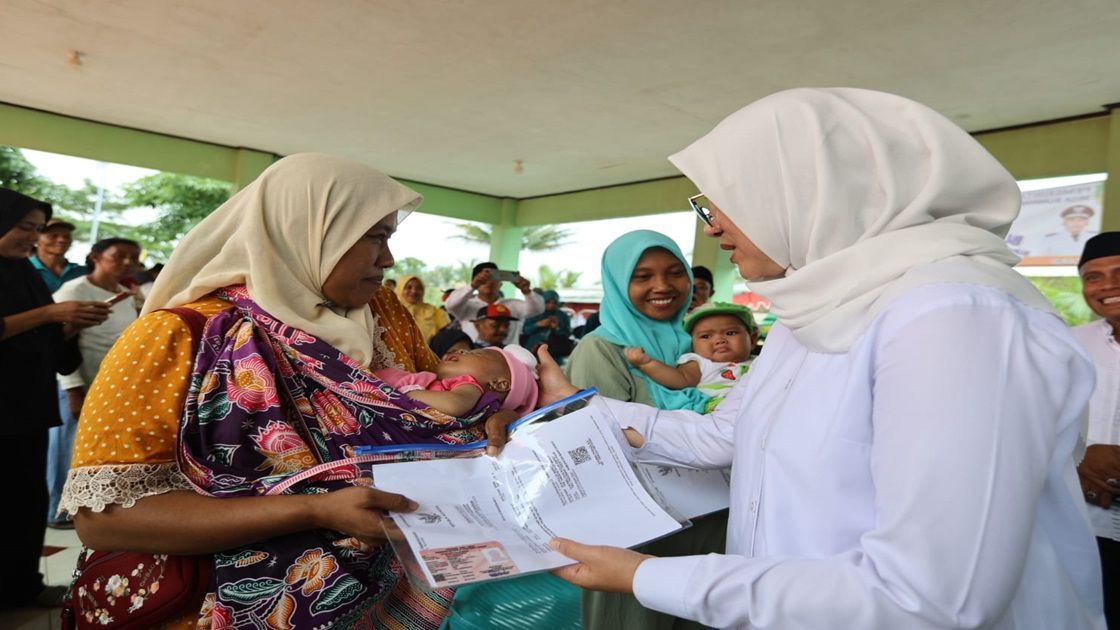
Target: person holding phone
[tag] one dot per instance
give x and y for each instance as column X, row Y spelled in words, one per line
column 485, row 288
column 35, row 343
column 111, row 261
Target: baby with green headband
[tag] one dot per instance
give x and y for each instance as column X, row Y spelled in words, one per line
column 723, row 336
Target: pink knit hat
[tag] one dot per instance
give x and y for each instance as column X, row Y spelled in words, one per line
column 523, row 390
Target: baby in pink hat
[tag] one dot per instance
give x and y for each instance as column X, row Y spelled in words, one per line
column 462, row 380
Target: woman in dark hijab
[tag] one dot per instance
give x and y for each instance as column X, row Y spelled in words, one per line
column 36, row 341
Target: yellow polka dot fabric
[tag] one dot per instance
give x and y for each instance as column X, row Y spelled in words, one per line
column 131, row 413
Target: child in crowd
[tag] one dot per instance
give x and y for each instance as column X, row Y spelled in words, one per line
column 468, row 381
column 723, row 336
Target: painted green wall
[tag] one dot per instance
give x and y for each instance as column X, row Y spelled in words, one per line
column 1088, row 145
column 43, row 131
column 625, row 200
column 1075, row 147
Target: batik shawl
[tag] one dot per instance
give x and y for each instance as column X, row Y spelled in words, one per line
column 267, row 402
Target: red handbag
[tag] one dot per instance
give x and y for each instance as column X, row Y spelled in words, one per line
column 126, row 589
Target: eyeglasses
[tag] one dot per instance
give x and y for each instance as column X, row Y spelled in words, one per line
column 704, row 213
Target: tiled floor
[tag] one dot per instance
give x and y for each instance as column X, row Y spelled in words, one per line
column 56, row 568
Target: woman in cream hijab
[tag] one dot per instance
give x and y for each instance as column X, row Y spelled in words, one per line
column 903, row 448
column 251, row 365
column 429, row 318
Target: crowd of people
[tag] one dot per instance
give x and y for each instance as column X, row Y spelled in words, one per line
column 907, row 451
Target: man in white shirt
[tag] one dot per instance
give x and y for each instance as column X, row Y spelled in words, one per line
column 464, row 303
column 1069, row 241
column 1100, row 469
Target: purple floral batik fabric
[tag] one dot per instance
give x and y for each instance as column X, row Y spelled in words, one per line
column 267, row 402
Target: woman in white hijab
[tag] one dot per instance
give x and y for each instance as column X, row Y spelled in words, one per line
column 903, row 449
column 222, row 422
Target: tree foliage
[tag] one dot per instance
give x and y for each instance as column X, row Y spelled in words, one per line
column 17, row 174
column 536, row 238
column 550, row 279
column 1065, row 294
column 182, row 201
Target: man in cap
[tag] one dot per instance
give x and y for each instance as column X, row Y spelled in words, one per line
column 464, row 303
column 50, row 255
column 1100, row 468
column 50, row 261
column 1068, row 242
column 492, row 324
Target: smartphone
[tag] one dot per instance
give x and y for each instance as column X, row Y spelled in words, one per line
column 505, row 276
column 123, row 295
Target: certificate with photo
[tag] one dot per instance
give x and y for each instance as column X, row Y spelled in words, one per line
column 483, row 518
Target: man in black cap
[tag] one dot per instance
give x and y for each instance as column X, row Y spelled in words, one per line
column 1099, row 471
column 1068, row 242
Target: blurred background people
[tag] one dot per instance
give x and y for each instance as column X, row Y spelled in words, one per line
column 492, row 324
column 113, row 260
column 49, row 258
column 552, row 327
column 429, row 318
column 485, row 288
column 702, row 286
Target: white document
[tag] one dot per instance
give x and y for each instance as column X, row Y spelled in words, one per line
column 1106, row 523
column 687, row 492
column 483, row 518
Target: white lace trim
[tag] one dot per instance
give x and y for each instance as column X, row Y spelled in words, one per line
column 96, row 487
column 383, row 356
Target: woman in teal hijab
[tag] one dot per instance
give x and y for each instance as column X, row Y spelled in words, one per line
column 647, row 287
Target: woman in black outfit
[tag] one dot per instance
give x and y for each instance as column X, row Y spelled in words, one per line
column 36, row 341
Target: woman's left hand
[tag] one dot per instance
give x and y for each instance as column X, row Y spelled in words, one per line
column 554, row 385
column 497, row 433
column 599, row 568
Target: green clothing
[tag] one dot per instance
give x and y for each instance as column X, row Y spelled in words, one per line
column 599, row 363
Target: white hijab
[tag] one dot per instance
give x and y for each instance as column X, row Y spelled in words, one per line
column 855, row 193
column 281, row 236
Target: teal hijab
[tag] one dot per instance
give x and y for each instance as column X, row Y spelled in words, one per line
column 623, row 325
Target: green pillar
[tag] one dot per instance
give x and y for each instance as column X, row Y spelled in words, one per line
column 1110, row 213
column 505, row 241
column 247, row 165
column 706, row 252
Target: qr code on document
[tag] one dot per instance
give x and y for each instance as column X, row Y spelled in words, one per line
column 579, row 455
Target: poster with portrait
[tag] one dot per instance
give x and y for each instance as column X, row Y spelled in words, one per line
column 1054, row 223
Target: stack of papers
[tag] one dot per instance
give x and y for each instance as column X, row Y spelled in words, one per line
column 483, row 518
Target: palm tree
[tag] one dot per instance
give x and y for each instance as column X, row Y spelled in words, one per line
column 536, row 238
column 550, row 279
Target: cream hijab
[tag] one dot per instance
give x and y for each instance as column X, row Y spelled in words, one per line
column 282, row 235
column 861, row 196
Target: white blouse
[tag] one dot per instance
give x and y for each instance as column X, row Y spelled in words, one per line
column 923, row 479
column 95, row 341
column 1104, row 406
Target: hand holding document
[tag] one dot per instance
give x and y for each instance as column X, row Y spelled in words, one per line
column 485, row 517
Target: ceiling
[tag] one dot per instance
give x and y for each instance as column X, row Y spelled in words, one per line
column 585, row 93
